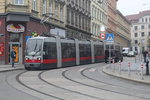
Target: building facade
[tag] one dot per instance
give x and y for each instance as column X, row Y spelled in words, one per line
column 20, row 18
column 123, row 34
column 98, row 17
column 112, row 15
column 78, row 19
column 140, row 31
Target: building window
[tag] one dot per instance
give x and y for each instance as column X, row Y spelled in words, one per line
column 50, row 6
column 145, row 19
column 135, row 27
column 72, row 18
column 61, row 14
column 56, row 8
column 142, row 34
column 136, row 41
column 34, row 5
column 135, row 34
column 136, row 49
column 142, row 27
column 149, row 26
column 19, row 2
column 142, row 20
column 44, row 6
column 68, row 16
column 149, row 33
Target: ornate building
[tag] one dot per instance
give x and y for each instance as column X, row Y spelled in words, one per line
column 140, row 31
column 78, row 19
column 112, row 15
column 20, row 18
column 123, row 35
column 98, row 17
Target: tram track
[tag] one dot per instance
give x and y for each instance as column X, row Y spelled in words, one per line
column 66, row 76
column 47, row 94
column 18, row 80
column 108, row 90
column 105, row 82
column 83, row 94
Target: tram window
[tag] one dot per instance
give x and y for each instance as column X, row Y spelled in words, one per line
column 99, row 50
column 68, row 50
column 34, row 47
column 85, row 50
column 50, row 50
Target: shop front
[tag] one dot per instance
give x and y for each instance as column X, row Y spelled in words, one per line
column 15, row 29
column 15, row 41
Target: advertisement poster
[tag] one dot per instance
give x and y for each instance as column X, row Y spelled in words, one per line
column 1, row 49
column 16, row 49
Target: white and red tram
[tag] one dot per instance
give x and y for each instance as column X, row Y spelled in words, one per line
column 54, row 52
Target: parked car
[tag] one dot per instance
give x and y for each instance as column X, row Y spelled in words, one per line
column 125, row 51
column 131, row 54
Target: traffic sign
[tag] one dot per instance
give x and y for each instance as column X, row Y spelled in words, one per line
column 102, row 36
column 110, row 37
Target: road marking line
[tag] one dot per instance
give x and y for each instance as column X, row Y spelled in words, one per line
column 92, row 69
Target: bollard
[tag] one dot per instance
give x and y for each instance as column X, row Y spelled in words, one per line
column 129, row 69
column 119, row 67
column 147, row 67
column 142, row 72
column 113, row 61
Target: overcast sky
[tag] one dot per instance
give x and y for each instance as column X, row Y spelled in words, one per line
column 128, row 7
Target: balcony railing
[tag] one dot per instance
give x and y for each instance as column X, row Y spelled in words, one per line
column 17, row 8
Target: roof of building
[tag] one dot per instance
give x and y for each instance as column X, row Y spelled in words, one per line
column 135, row 17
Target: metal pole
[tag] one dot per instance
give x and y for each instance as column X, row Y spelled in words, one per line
column 109, row 53
column 119, row 67
column 129, row 69
column 142, row 72
column 113, row 61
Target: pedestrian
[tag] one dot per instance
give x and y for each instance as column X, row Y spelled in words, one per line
column 144, row 55
column 13, row 56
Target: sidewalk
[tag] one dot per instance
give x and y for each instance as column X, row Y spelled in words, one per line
column 5, row 68
column 130, row 69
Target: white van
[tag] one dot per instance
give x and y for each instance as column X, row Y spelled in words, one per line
column 125, row 51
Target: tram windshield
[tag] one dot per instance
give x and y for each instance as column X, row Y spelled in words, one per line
column 34, row 47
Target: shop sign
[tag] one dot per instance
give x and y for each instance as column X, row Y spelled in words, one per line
column 1, row 49
column 16, row 28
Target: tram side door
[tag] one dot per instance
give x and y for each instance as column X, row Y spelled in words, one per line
column 17, row 49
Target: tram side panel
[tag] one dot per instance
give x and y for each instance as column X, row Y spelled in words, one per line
column 50, row 55
column 85, row 53
column 99, row 53
column 68, row 54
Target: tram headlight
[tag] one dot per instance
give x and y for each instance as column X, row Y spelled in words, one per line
column 38, row 58
column 27, row 58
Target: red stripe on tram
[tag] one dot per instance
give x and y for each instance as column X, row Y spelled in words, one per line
column 99, row 57
column 46, row 61
column 85, row 58
column 33, row 61
column 68, row 59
